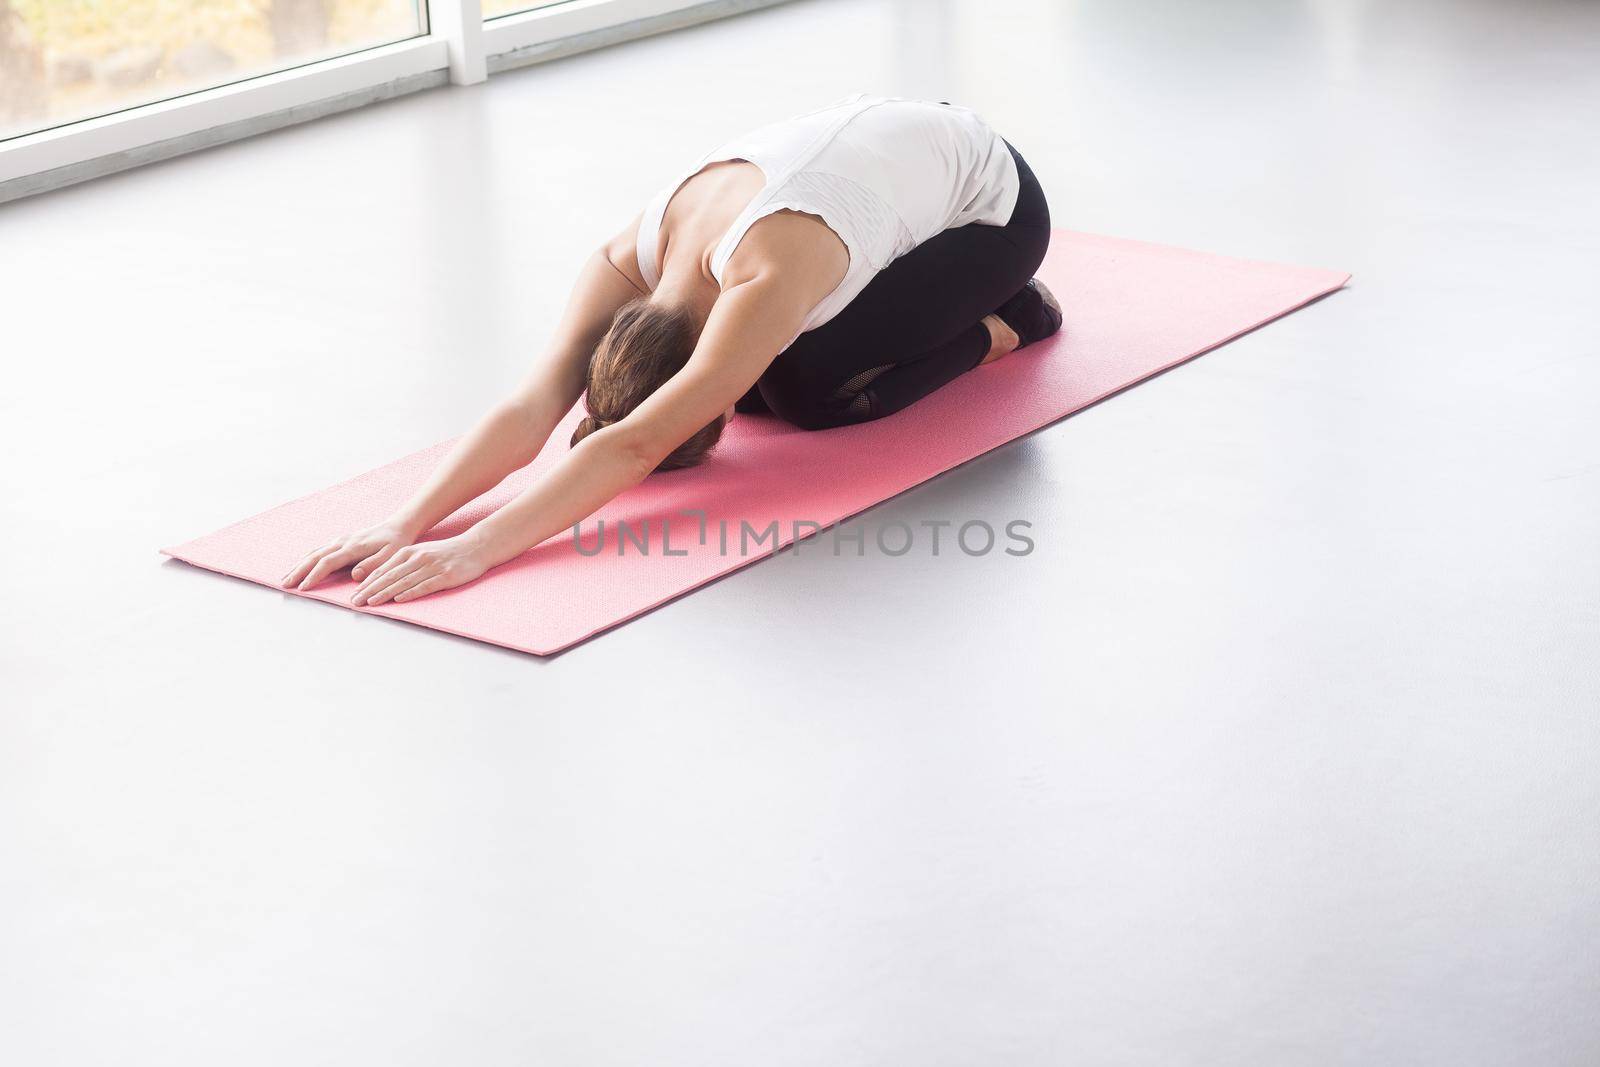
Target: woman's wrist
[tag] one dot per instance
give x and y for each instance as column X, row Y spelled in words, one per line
column 408, row 525
column 488, row 543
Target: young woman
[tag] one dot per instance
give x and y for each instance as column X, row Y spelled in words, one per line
column 829, row 269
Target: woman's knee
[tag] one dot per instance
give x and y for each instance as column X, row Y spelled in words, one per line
column 805, row 405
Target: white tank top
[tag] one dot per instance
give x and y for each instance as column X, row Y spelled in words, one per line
column 885, row 174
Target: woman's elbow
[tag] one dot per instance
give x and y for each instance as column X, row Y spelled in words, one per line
column 648, row 450
column 635, row 453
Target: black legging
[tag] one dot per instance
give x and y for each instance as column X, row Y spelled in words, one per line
column 917, row 325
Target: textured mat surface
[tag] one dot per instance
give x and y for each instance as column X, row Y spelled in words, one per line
column 1132, row 310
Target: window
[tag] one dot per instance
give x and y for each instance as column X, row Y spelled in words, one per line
column 91, row 87
column 496, row 8
column 66, row 60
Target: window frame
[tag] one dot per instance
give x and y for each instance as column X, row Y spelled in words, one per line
column 459, row 48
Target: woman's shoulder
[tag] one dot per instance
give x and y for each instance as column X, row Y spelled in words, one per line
column 796, row 250
column 622, row 252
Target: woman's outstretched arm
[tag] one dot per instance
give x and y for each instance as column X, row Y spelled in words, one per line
column 748, row 325
column 509, row 436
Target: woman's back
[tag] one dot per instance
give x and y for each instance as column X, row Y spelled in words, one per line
column 933, row 166
column 883, row 174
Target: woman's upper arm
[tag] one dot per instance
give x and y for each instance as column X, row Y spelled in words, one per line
column 609, row 279
column 749, row 325
column 622, row 252
column 785, row 265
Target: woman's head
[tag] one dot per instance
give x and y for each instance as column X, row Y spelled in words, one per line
column 647, row 344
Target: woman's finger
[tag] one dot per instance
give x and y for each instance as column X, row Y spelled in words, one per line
column 423, row 588
column 400, row 581
column 303, row 568
column 382, row 573
column 373, row 562
column 407, row 581
column 327, row 565
column 401, row 565
column 429, row 585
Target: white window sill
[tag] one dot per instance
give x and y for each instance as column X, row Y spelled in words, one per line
column 460, row 48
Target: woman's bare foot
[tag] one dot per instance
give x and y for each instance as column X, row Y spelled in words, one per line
column 1003, row 340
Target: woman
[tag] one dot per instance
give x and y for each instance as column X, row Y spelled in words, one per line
column 831, row 269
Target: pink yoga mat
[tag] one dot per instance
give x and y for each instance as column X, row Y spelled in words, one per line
column 1132, row 310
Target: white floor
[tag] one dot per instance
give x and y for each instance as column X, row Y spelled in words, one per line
column 1282, row 748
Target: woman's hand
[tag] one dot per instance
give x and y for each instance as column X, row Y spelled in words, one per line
column 422, row 569
column 364, row 552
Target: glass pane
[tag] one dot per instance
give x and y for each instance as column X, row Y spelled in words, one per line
column 64, row 60
column 495, row 8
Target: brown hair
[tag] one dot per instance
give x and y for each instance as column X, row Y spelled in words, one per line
column 647, row 344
